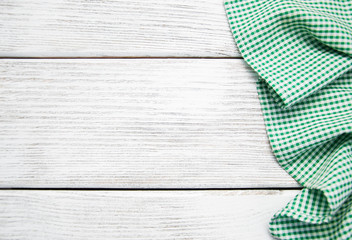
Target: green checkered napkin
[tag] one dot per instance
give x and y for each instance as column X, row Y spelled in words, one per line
column 302, row 51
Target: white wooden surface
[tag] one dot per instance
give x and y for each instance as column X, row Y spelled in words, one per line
column 62, row 28
column 133, row 123
column 145, row 215
column 143, row 121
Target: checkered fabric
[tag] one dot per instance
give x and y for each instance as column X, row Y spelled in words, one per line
column 302, row 52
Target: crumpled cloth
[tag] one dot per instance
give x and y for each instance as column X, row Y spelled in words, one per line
column 302, row 52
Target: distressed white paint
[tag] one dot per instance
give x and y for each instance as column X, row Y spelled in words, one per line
column 55, row 215
column 133, row 123
column 88, row 28
column 130, row 124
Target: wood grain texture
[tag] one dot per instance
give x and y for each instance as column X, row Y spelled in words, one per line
column 133, row 123
column 85, row 28
column 139, row 214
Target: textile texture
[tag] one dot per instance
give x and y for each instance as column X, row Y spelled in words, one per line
column 302, row 52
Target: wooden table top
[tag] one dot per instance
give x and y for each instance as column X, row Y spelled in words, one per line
column 131, row 120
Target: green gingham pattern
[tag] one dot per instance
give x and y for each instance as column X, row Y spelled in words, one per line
column 302, row 52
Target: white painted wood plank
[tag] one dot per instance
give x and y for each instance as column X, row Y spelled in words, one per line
column 133, row 123
column 36, row 215
column 71, row 28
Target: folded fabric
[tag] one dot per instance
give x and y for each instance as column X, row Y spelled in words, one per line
column 302, row 52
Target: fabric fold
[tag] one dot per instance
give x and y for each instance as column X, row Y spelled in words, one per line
column 302, row 52
column 303, row 46
column 319, row 157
